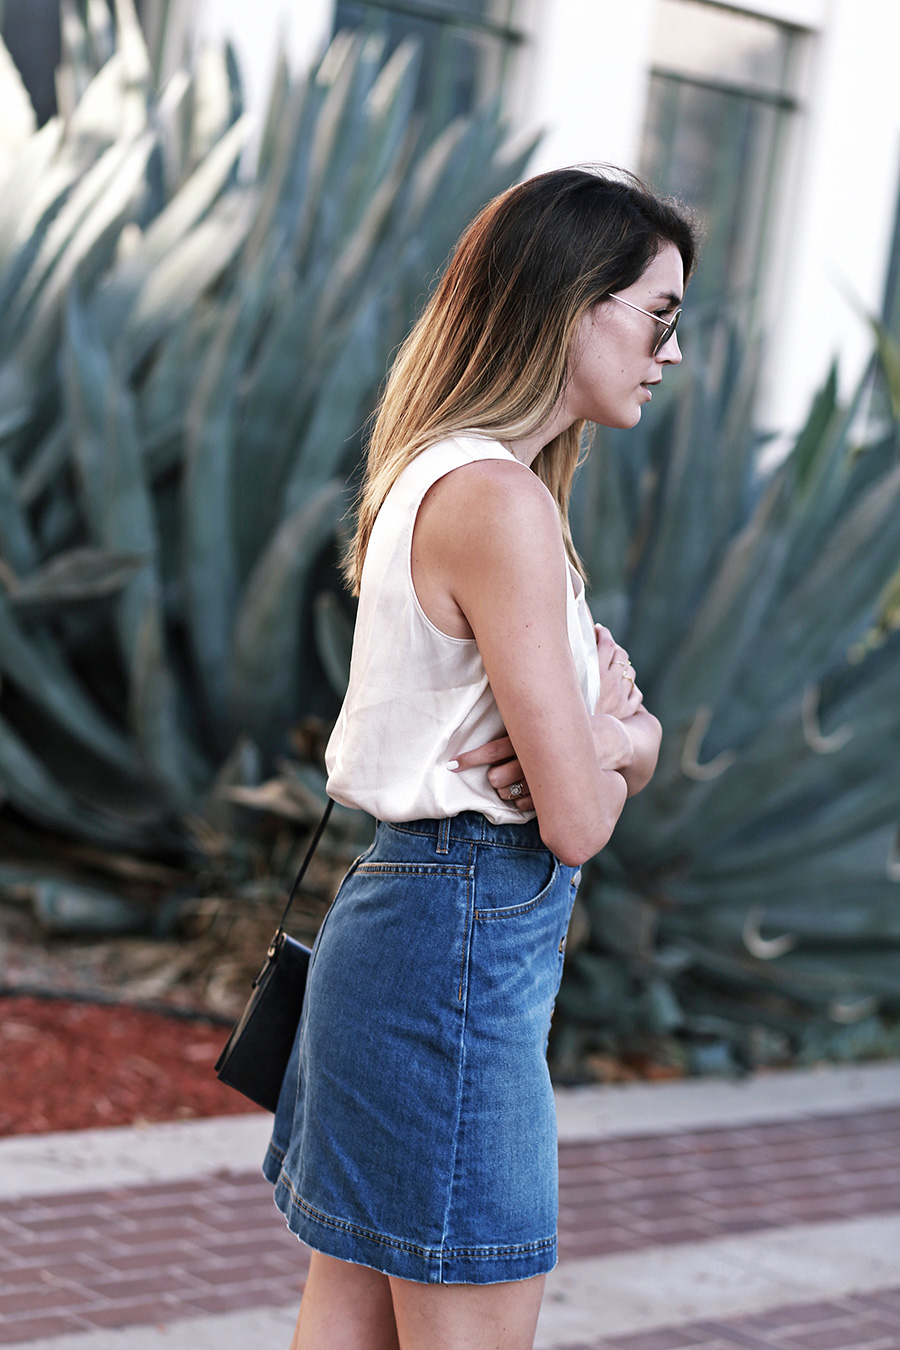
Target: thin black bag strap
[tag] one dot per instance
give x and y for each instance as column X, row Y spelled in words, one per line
column 311, row 848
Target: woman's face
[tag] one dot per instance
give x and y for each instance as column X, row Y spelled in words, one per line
column 613, row 366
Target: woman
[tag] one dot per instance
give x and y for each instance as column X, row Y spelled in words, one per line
column 495, row 734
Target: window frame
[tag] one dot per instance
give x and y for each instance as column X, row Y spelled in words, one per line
column 787, row 106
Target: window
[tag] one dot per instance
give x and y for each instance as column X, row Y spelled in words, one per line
column 467, row 46
column 718, row 111
column 30, row 29
column 31, row 32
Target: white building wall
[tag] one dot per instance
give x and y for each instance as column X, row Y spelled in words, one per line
column 257, row 27
column 585, row 85
column 583, row 81
column 588, row 79
column 836, row 236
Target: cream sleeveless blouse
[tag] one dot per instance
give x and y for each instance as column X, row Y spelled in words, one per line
column 417, row 697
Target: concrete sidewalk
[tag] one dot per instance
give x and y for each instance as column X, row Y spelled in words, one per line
column 708, row 1214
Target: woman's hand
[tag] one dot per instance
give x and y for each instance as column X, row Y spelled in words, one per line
column 620, row 716
column 631, row 750
column 612, row 742
column 619, row 700
column 506, row 771
column 643, row 734
column 619, row 695
column 613, row 745
column 617, row 747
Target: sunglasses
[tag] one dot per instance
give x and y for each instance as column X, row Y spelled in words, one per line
column 668, row 325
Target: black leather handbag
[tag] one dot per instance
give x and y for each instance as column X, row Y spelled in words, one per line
column 256, row 1053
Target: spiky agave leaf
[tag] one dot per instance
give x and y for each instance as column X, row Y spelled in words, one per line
column 756, row 877
column 188, row 355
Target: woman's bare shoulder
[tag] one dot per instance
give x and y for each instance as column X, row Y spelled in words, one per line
column 492, row 518
column 491, row 490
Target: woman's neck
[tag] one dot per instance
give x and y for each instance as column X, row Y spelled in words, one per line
column 527, row 448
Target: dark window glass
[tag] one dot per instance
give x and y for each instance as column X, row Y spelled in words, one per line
column 466, row 46
column 718, row 110
column 701, row 40
column 31, row 32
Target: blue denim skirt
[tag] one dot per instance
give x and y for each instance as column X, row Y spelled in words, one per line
column 416, row 1131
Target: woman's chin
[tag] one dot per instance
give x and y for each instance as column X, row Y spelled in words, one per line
column 623, row 421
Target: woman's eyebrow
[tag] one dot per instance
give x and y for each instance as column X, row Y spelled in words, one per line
column 672, row 298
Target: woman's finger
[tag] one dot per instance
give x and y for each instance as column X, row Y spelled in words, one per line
column 503, row 775
column 492, row 752
column 633, row 702
column 606, row 645
column 610, row 655
column 521, row 798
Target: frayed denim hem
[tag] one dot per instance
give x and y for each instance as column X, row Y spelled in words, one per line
column 406, row 1260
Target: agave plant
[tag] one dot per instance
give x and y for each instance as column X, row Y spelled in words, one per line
column 189, row 347
column 748, row 906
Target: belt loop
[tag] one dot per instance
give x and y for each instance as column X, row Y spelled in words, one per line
column 443, row 836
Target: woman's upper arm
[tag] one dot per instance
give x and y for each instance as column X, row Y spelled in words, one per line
column 498, row 543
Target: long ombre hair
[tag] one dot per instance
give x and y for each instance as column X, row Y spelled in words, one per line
column 490, row 352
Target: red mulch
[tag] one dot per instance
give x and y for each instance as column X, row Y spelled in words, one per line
column 72, row 1066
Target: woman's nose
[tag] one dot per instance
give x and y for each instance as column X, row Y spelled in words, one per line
column 669, row 353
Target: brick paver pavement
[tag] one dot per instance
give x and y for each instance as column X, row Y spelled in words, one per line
column 622, row 1194
column 143, row 1254
column 867, row 1322
column 146, row 1254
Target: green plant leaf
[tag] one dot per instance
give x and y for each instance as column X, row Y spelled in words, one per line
column 17, row 118
column 75, row 242
column 27, row 785
column 334, row 640
column 211, row 579
column 49, row 683
column 267, row 641
column 17, row 543
column 160, row 731
column 79, row 575
column 170, row 230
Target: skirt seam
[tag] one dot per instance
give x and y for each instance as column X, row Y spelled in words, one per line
column 465, row 942
column 413, row 869
column 461, row 1045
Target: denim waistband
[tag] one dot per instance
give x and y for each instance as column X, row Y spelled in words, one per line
column 471, row 827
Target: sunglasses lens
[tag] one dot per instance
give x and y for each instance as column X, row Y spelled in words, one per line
column 667, row 332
